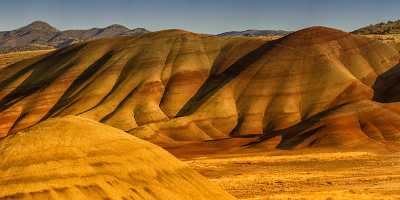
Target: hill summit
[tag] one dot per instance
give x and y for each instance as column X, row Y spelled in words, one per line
column 41, row 35
column 39, row 25
column 76, row 158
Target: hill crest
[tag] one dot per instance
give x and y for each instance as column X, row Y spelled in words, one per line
column 383, row 28
column 173, row 86
column 40, row 35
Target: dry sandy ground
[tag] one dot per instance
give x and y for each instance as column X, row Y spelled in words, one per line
column 350, row 175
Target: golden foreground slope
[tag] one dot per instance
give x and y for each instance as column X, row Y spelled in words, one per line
column 76, row 158
column 313, row 87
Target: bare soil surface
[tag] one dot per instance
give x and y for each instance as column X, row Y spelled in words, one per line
column 11, row 58
column 347, row 175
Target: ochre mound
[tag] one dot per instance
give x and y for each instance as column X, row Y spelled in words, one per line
column 289, row 80
column 76, row 158
column 11, row 58
column 365, row 125
column 174, row 85
column 124, row 82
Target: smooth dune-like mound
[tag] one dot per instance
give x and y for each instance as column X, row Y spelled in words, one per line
column 77, row 158
column 175, row 85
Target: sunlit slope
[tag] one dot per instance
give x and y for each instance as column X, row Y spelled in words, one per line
column 77, row 158
column 289, row 80
column 11, row 58
column 124, row 82
column 176, row 85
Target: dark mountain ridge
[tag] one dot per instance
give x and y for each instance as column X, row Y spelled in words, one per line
column 41, row 35
column 253, row 33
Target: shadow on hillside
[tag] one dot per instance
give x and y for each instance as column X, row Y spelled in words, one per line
column 387, row 86
column 216, row 82
column 296, row 134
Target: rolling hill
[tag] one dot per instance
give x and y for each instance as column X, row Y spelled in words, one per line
column 40, row 35
column 76, row 158
column 312, row 88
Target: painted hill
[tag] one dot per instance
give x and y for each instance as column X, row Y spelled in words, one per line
column 390, row 27
column 173, row 86
column 14, row 57
column 253, row 33
column 40, row 35
column 76, row 158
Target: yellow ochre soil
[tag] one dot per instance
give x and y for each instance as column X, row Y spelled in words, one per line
column 348, row 175
column 11, row 58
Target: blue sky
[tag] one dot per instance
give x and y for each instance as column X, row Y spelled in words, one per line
column 205, row 16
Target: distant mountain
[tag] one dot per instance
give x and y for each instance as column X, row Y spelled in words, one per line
column 390, row 27
column 41, row 35
column 253, row 33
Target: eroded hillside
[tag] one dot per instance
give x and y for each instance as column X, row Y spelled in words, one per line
column 313, row 87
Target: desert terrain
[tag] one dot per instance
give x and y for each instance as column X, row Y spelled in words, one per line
column 76, row 158
column 172, row 114
column 304, row 175
column 11, row 58
column 391, row 39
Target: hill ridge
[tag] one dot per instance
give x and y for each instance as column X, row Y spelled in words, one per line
column 389, row 27
column 40, row 35
column 173, row 86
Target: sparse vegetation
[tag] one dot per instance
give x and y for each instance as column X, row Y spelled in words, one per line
column 390, row 27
